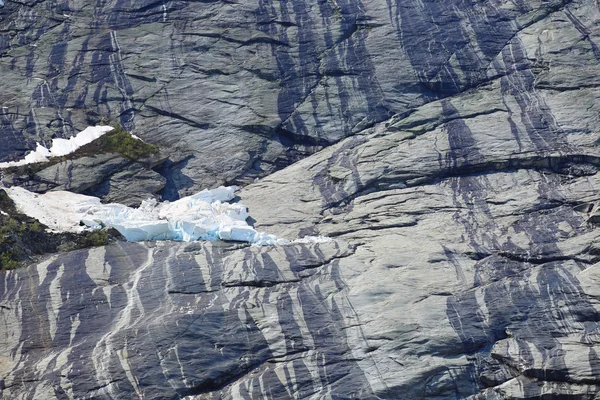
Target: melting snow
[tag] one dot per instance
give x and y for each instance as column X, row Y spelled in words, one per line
column 203, row 216
column 60, row 211
column 60, row 147
column 207, row 215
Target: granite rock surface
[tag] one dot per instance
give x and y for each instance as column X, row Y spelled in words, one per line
column 449, row 149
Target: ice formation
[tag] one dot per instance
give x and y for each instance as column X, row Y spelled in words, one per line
column 60, row 147
column 203, row 216
column 207, row 215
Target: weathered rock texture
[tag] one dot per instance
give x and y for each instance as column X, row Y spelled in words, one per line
column 109, row 176
column 449, row 148
column 165, row 321
column 237, row 90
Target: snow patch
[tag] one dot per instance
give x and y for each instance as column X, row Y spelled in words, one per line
column 206, row 215
column 311, row 240
column 60, row 211
column 60, row 147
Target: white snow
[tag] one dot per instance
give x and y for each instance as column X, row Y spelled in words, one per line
column 60, row 147
column 203, row 216
column 60, row 211
column 310, row 240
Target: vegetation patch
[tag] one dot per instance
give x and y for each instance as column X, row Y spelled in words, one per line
column 116, row 141
column 23, row 239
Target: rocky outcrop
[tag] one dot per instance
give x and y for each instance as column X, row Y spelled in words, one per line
column 313, row 72
column 115, row 168
column 163, row 321
column 110, row 176
column 448, row 148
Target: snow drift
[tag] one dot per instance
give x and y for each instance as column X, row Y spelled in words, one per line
column 60, row 147
column 203, row 216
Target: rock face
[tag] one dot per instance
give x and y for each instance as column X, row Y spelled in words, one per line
column 166, row 321
column 235, row 91
column 448, row 148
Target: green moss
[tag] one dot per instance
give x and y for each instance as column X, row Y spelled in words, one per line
column 12, row 230
column 8, row 225
column 36, row 226
column 119, row 141
column 23, row 227
column 96, row 238
column 116, row 141
column 8, row 260
column 6, row 203
column 23, row 239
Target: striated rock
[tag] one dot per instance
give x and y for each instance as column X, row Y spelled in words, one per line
column 239, row 91
column 233, row 310
column 449, row 148
column 432, row 309
column 130, row 186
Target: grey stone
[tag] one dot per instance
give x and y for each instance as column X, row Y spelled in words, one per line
column 130, row 187
column 80, row 174
column 111, row 333
column 313, row 73
column 112, row 177
column 449, row 149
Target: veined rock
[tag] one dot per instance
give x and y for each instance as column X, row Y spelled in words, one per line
column 448, row 151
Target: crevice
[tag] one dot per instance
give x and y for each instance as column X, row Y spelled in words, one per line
column 141, row 78
column 189, row 292
column 537, row 162
column 259, row 283
column 286, row 24
column 566, row 88
column 247, row 42
column 372, row 228
column 437, row 122
column 541, row 259
column 187, row 121
column 283, row 135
